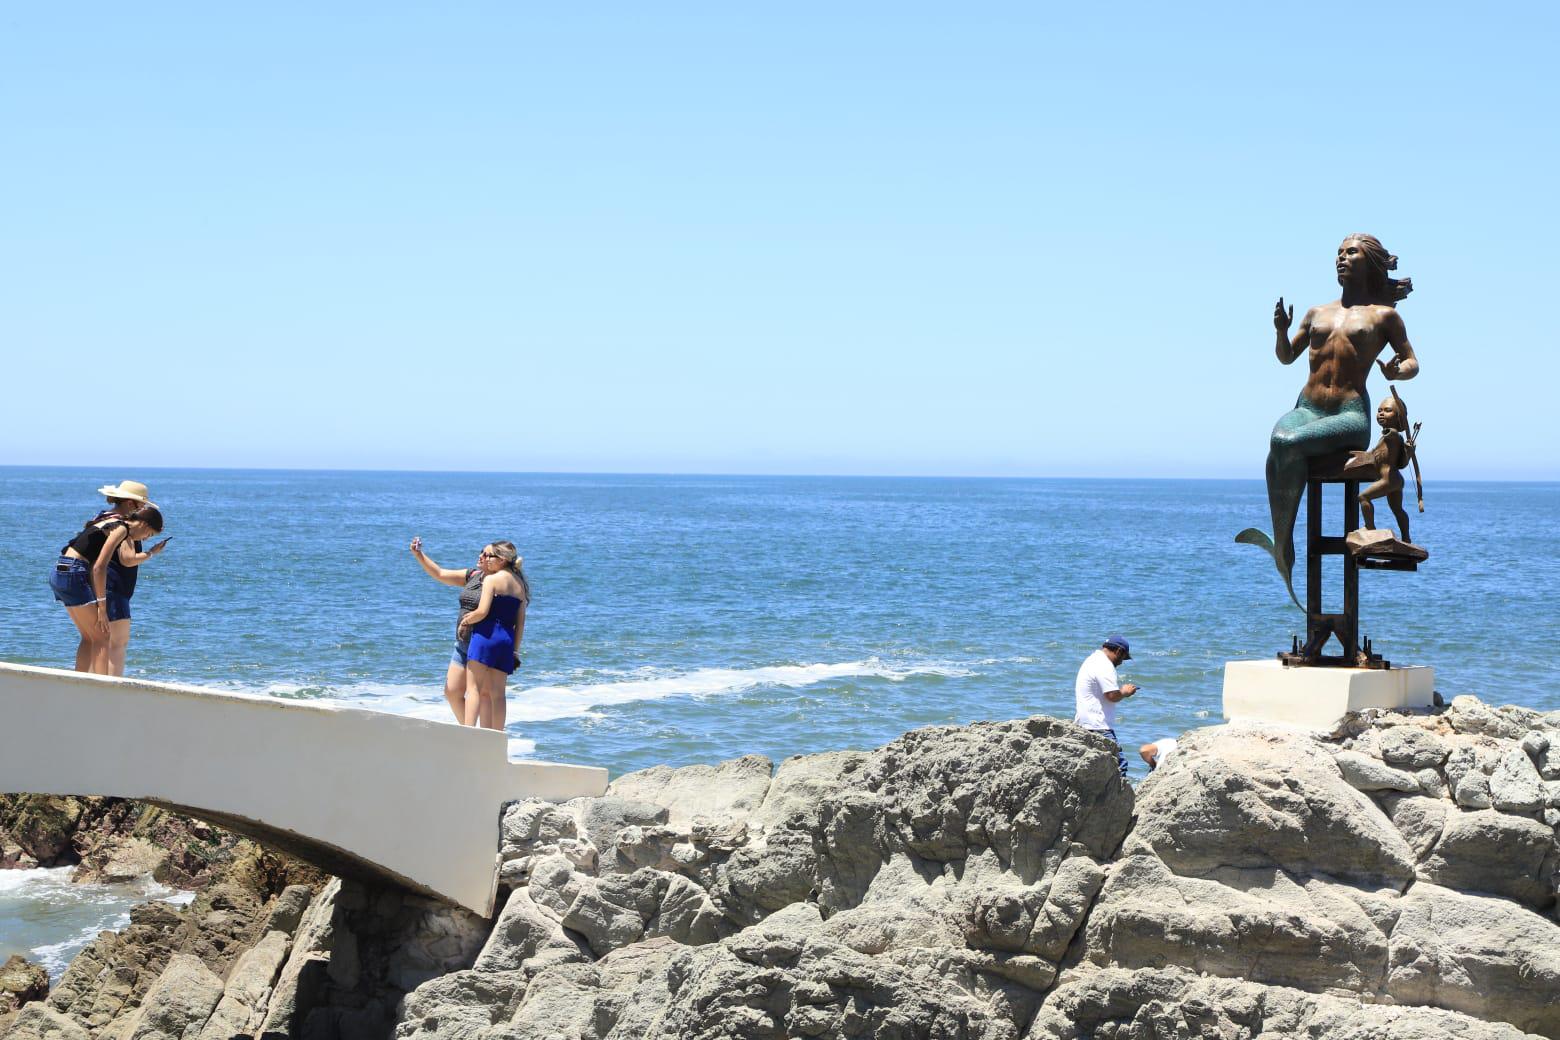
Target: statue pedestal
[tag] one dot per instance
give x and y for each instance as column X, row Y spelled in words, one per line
column 1318, row 698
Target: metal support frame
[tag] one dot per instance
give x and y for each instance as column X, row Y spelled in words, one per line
column 1321, row 626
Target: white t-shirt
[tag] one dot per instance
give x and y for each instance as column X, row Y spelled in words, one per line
column 1164, row 748
column 1096, row 678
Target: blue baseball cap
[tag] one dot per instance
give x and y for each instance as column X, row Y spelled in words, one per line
column 1120, row 643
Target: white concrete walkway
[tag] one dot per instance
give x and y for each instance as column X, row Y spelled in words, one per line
column 356, row 792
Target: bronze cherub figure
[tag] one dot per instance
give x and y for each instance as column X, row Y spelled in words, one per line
column 1396, row 450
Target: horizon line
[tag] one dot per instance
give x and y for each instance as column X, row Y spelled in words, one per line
column 715, row 474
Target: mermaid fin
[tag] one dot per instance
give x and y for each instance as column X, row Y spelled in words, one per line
column 1252, row 536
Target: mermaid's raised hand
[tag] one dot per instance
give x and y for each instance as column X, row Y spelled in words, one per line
column 1282, row 319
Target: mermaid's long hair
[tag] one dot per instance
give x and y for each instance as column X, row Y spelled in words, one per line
column 1383, row 288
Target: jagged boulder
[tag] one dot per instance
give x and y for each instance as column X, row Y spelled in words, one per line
column 1247, row 797
column 1174, row 1002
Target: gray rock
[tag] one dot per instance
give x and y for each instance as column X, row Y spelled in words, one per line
column 179, row 1002
column 1552, row 793
column 609, row 912
column 603, row 818
column 1548, row 761
column 1494, row 852
column 1432, row 784
column 531, row 826
column 1262, row 924
column 554, row 883
column 1252, row 797
column 1021, row 793
column 1516, row 786
column 288, row 909
column 1473, row 791
column 801, row 784
column 1366, row 774
column 38, row 1021
column 1412, row 748
column 462, row 1003
column 1482, row 956
column 1172, row 1002
column 248, row 987
column 302, row 975
column 617, row 910
column 1470, row 715
column 1420, row 821
column 522, row 931
column 729, row 792
column 755, row 882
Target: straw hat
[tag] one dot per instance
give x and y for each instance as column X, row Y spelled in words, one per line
column 131, row 489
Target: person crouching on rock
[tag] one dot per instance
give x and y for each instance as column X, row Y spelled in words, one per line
column 495, row 629
column 80, row 581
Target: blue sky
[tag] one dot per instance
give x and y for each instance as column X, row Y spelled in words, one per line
column 806, row 238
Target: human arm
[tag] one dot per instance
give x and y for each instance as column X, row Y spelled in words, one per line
column 115, row 539
column 1116, row 696
column 1288, row 349
column 483, row 606
column 437, row 573
column 1404, row 365
column 131, row 558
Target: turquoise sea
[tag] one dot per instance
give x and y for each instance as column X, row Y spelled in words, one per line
column 689, row 619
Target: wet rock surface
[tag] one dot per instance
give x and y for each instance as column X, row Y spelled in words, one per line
column 998, row 880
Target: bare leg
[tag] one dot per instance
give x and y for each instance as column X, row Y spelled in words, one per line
column 1395, row 500
column 470, row 706
column 118, row 642
column 490, row 689
column 1390, row 487
column 455, row 690
column 87, row 651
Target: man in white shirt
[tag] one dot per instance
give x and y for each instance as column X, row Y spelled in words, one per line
column 1097, row 691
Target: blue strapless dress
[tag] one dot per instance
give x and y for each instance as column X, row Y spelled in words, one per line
column 493, row 638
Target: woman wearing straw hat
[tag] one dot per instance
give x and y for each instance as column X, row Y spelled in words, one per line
column 124, row 498
column 81, row 582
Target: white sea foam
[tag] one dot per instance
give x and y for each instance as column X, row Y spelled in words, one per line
column 544, row 703
column 582, row 699
column 44, row 903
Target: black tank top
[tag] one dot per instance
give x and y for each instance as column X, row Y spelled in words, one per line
column 121, row 579
column 89, row 543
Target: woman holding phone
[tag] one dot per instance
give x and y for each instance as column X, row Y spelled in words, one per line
column 81, row 582
column 493, row 600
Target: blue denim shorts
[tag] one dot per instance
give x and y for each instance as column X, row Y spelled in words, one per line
column 459, row 656
column 118, row 606
column 71, row 581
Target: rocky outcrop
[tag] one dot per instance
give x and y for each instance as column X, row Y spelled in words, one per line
column 21, row 983
column 111, row 839
column 994, row 881
column 1352, row 868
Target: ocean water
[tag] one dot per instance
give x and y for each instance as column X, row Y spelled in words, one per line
column 690, row 619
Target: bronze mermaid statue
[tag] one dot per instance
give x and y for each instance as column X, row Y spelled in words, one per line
column 1342, row 339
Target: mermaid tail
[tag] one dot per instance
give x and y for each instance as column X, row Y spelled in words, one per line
column 1286, row 569
column 1298, row 436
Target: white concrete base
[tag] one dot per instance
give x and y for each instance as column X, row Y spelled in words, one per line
column 355, row 792
column 1319, row 698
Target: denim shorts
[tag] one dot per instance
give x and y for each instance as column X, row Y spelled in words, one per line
column 459, row 656
column 118, row 606
column 71, row 581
